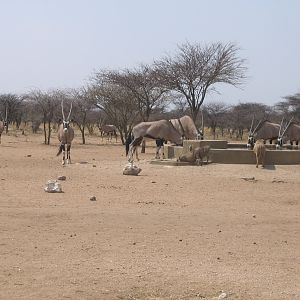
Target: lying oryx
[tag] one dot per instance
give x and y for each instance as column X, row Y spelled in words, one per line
column 260, row 152
column 65, row 135
column 290, row 133
column 264, row 130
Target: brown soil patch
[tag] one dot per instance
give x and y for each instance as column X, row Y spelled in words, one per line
column 170, row 233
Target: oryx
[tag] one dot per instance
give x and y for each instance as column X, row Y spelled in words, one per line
column 3, row 123
column 65, row 135
column 109, row 131
column 161, row 129
column 259, row 150
column 264, row 130
column 174, row 130
column 291, row 133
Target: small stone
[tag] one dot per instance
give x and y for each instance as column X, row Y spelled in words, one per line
column 94, row 166
column 61, row 178
column 29, row 155
column 93, row 198
column 131, row 169
column 253, row 216
column 222, row 296
column 52, row 186
column 153, row 181
column 180, row 240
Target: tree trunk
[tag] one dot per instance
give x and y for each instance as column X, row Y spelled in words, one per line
column 49, row 133
column 45, row 133
column 83, row 135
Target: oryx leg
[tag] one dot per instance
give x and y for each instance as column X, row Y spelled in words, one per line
column 63, row 146
column 133, row 148
column 137, row 153
column 131, row 153
column 69, row 153
column 157, row 156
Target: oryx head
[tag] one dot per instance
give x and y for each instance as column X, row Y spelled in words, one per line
column 251, row 140
column 200, row 135
column 66, row 121
column 280, row 139
column 252, row 134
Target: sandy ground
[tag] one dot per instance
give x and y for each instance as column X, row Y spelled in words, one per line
column 169, row 233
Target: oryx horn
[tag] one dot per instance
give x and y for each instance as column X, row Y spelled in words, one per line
column 256, row 127
column 62, row 109
column 68, row 119
column 287, row 126
column 280, row 127
column 6, row 113
column 250, row 131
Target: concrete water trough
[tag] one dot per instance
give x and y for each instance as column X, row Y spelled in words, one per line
column 229, row 153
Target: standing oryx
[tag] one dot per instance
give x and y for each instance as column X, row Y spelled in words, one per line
column 161, row 129
column 174, row 130
column 65, row 135
column 3, row 123
column 109, row 131
column 259, row 150
column 291, row 133
column 264, row 130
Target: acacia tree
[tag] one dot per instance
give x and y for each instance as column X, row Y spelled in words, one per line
column 117, row 103
column 290, row 106
column 195, row 70
column 82, row 105
column 10, row 108
column 215, row 112
column 241, row 116
column 47, row 104
column 143, row 86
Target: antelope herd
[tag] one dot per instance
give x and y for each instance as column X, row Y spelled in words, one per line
column 175, row 131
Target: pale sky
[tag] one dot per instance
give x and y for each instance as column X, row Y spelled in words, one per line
column 59, row 43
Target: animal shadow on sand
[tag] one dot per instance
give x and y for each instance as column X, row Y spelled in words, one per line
column 270, row 167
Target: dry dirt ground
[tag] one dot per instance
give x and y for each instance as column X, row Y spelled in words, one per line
column 169, row 233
